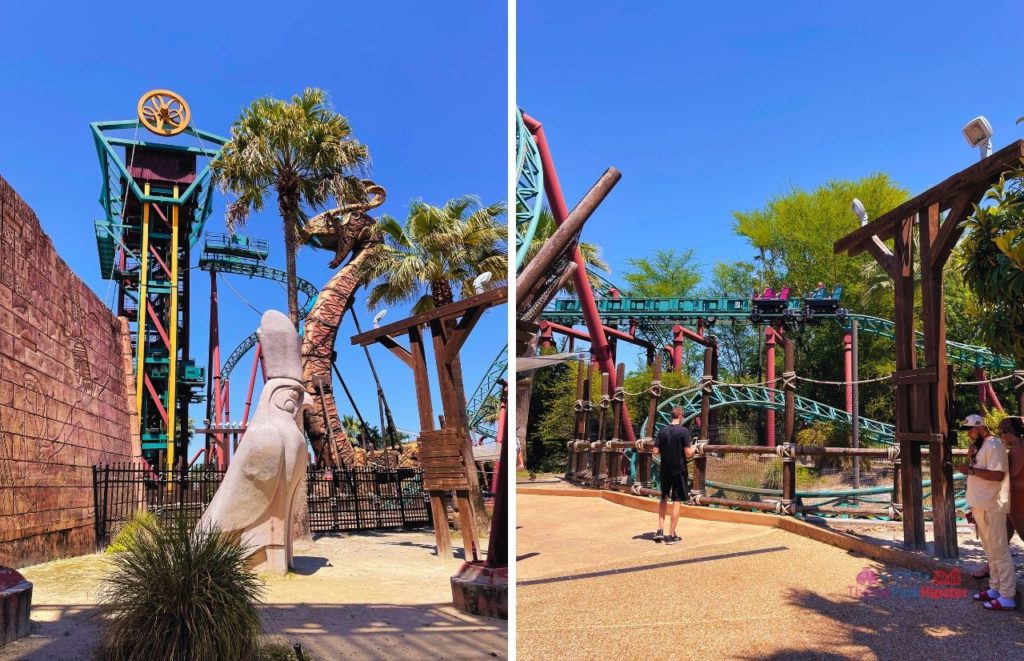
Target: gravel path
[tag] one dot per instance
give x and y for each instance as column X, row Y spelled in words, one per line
column 595, row 586
column 372, row 595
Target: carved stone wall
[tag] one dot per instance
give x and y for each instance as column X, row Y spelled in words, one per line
column 66, row 401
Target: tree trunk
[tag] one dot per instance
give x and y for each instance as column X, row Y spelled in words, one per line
column 441, row 293
column 288, row 204
column 317, row 347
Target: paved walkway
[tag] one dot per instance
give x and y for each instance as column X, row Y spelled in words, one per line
column 591, row 584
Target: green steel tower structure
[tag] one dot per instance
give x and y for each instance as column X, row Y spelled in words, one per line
column 156, row 197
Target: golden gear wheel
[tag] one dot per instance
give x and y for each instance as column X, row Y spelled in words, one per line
column 164, row 112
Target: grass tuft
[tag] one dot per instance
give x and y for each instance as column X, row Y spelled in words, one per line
column 180, row 592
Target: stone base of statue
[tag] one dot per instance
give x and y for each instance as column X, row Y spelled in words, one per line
column 480, row 589
column 15, row 605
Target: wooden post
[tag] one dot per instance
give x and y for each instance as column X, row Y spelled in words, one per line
column 614, row 454
column 580, row 429
column 788, row 447
column 700, row 462
column 601, row 472
column 643, row 460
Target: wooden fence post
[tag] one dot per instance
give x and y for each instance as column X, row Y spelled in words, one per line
column 788, row 449
column 601, row 471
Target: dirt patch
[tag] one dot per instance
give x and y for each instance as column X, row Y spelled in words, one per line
column 379, row 595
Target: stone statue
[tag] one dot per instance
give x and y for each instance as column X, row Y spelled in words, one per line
column 256, row 498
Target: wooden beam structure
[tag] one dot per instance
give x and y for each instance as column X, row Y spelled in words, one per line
column 924, row 395
column 445, row 454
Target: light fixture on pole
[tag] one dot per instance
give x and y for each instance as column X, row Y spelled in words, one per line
column 377, row 317
column 481, row 280
column 978, row 133
column 862, row 215
column 860, row 211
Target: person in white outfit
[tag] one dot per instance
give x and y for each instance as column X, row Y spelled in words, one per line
column 988, row 496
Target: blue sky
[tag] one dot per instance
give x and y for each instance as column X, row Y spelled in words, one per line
column 708, row 108
column 424, row 85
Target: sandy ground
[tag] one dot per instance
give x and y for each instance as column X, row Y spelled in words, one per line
column 370, row 595
column 596, row 586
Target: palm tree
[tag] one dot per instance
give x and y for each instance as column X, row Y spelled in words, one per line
column 301, row 150
column 591, row 252
column 435, row 251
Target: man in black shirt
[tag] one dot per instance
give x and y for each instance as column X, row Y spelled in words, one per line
column 673, row 444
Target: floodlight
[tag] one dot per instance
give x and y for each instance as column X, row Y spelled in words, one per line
column 860, row 211
column 978, row 133
column 377, row 317
column 481, row 280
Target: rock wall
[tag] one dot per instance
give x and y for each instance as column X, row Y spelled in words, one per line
column 66, row 395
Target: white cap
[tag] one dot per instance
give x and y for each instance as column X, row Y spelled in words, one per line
column 973, row 420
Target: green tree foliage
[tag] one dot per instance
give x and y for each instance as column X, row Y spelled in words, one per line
column 664, row 274
column 437, row 250
column 793, row 235
column 993, row 266
column 301, row 150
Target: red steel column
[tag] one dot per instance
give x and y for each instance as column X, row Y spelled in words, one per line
column 769, row 349
column 848, row 370
column 547, row 336
column 677, row 348
column 599, row 345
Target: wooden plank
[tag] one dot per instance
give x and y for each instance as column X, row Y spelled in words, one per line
column 982, row 173
column 470, row 545
column 445, row 484
column 917, row 437
column 952, row 228
column 457, row 338
column 436, row 453
column 919, row 375
column 485, row 300
column 421, row 381
column 913, row 497
column 440, row 515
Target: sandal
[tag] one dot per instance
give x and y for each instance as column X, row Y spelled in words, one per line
column 982, row 596
column 996, row 605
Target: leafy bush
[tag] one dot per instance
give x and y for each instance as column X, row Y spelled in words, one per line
column 131, row 529
column 178, row 592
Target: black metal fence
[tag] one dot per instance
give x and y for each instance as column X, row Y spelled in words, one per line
column 339, row 500
column 366, row 499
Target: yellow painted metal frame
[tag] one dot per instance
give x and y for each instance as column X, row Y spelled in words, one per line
column 172, row 372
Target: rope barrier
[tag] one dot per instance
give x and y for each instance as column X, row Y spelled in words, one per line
column 844, row 383
column 979, row 383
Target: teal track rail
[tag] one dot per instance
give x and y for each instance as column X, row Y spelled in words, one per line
column 529, row 189
column 761, row 397
column 256, row 271
column 656, row 316
column 489, row 385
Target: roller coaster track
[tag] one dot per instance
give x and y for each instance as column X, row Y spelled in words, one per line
column 255, row 271
column 656, row 315
column 529, row 189
column 489, row 386
column 762, row 397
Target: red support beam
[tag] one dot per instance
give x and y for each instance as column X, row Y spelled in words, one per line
column 559, row 209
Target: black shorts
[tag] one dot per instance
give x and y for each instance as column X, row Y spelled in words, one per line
column 674, row 487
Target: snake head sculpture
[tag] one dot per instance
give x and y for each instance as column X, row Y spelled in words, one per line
column 341, row 229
